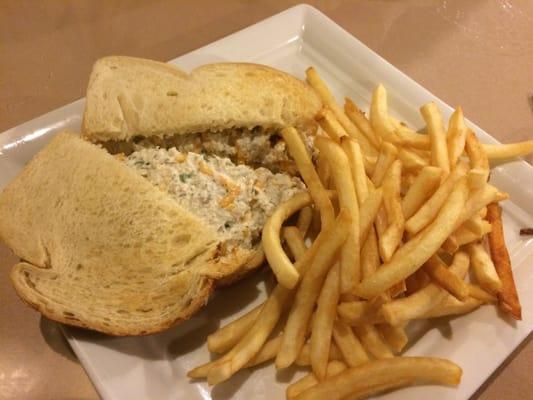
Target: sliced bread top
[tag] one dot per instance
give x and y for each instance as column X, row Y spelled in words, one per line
column 128, row 97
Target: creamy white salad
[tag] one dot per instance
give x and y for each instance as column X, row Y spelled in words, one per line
column 234, row 199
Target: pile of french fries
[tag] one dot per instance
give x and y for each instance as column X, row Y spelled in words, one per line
column 395, row 220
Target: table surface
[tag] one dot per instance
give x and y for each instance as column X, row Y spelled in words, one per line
column 478, row 54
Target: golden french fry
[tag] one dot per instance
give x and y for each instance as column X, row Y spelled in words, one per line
column 280, row 264
column 322, row 328
column 508, row 296
column 327, row 98
column 294, row 240
column 477, row 225
column 294, row 389
column 412, row 139
column 476, row 153
column 323, row 171
column 379, row 116
column 226, row 337
column 304, row 358
column 369, row 211
column 401, row 310
column 307, row 292
column 360, row 120
column 437, row 137
column 502, row 152
column 330, row 124
column 384, row 374
column 305, row 217
column 419, row 249
column 360, row 312
column 451, row 306
column 477, row 177
column 484, row 269
column 386, row 157
column 422, row 188
column 456, row 136
column 478, row 293
column 309, row 175
column 439, row 272
column 478, row 200
column 357, row 167
column 372, row 341
column 349, row 345
column 268, row 352
column 427, row 212
column 410, row 160
column 394, row 336
column 370, row 260
column 391, row 238
column 464, row 235
column 350, row 263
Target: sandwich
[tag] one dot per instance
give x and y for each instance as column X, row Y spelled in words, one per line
column 128, row 228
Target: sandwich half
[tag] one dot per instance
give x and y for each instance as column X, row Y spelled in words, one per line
column 130, row 234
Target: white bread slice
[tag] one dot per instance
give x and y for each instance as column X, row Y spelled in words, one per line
column 101, row 247
column 128, row 97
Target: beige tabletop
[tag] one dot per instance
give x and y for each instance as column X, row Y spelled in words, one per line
column 475, row 53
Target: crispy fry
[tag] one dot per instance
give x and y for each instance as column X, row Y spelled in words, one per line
column 414, row 306
column 360, row 312
column 392, row 236
column 327, row 98
column 379, row 375
column 369, row 210
column 508, row 297
column 419, row 249
column 456, row 136
column 410, row 138
column 395, row 336
column 372, row 341
column 322, row 328
column 386, row 157
column 445, row 278
column 478, row 293
column 295, row 241
column 304, row 358
column 267, row 352
column 350, row 263
column 484, row 269
column 370, row 260
column 307, row 293
column 323, row 171
column 360, row 120
column 422, row 188
column 476, row 153
column 478, row 200
column 431, row 207
column 294, row 389
column 477, row 177
column 410, row 160
column 305, row 217
column 437, row 137
column 330, row 124
column 502, row 152
column 451, row 306
column 357, row 167
column 307, row 171
column 379, row 116
column 349, row 345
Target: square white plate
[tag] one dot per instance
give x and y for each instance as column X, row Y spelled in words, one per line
column 154, row 367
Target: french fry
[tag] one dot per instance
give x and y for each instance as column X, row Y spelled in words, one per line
column 477, row 225
column 322, row 328
column 330, row 124
column 410, row 160
column 368, row 212
column 226, row 337
column 416, row 281
column 412, row 139
column 476, row 153
column 419, row 249
column 357, row 167
column 323, row 171
column 307, row 171
column 294, row 240
column 359, row 312
column 502, row 152
column 294, row 389
column 427, row 212
column 394, row 336
column 478, row 293
column 379, row 116
column 305, row 217
column 416, row 305
column 360, row 120
column 280, row 264
column 445, row 278
column 392, row 236
column 350, row 263
column 422, row 188
column 384, row 374
column 437, row 137
column 456, row 136
column 370, row 260
column 508, row 296
column 451, row 306
column 386, row 157
column 304, row 358
column 307, row 292
column 372, row 341
column 478, row 200
column 349, row 345
column 477, row 177
column 484, row 269
column 267, row 352
column 327, row 98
